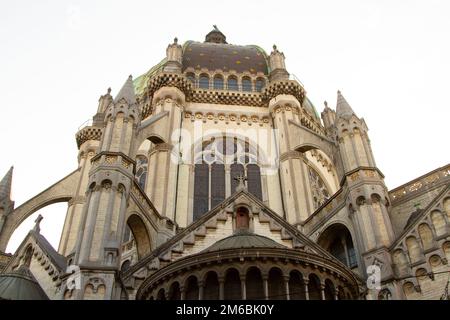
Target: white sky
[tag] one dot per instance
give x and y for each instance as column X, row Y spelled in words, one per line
column 391, row 60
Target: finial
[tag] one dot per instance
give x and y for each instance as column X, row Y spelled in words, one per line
column 130, row 77
column 175, row 40
column 325, row 103
column 109, row 90
column 339, row 92
column 37, row 222
column 240, row 179
column 274, row 47
column 215, row 27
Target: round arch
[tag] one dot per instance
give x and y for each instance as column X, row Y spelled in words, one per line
column 338, row 240
column 140, row 234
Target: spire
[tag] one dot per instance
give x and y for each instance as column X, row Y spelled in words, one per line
column 343, row 109
column 127, row 92
column 5, row 185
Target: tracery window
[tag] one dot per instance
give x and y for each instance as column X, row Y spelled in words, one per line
column 218, row 162
column 141, row 170
column 319, row 191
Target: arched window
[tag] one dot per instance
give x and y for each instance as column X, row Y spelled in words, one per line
column 329, row 290
column 174, row 291
column 259, row 84
column 337, row 240
column 314, row 288
column 217, row 184
column 216, row 158
column 233, row 83
column 192, row 289
column 212, row 288
column 254, row 180
column 254, row 284
column 201, row 190
column 141, row 170
column 276, row 285
column 203, row 81
column 218, row 82
column 242, row 219
column 296, row 286
column 232, row 285
column 246, row 84
column 191, row 77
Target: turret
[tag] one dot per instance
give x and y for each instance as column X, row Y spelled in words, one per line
column 277, row 65
column 103, row 216
column 368, row 196
column 88, row 141
column 352, row 135
column 6, row 204
column 174, row 56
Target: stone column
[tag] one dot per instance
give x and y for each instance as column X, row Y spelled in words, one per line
column 243, row 288
column 201, row 288
column 266, row 286
column 322, row 291
column 305, row 283
column 182, row 293
column 286, row 286
column 221, row 288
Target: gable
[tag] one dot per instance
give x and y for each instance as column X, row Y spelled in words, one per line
column 217, row 224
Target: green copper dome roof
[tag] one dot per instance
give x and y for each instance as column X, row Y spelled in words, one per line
column 21, row 285
column 243, row 240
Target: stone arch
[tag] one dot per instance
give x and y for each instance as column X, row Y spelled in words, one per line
column 414, row 250
column 329, row 290
column 296, row 285
column 426, row 235
column 161, row 294
column 338, row 240
column 212, row 286
column 254, row 284
column 439, row 223
column 191, row 287
column 314, row 290
column 400, row 262
column 276, row 284
column 446, row 206
column 232, row 285
column 140, row 234
column 174, row 291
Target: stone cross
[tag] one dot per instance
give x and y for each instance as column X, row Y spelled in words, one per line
column 37, row 222
column 240, row 179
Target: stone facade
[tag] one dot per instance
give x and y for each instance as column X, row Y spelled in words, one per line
column 160, row 187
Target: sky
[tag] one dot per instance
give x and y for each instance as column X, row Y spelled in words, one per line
column 390, row 59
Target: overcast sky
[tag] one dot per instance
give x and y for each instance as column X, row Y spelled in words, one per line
column 390, row 59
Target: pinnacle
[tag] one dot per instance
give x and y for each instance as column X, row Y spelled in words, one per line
column 127, row 92
column 343, row 109
column 5, row 185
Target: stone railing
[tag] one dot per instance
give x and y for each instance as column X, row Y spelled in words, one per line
column 421, row 184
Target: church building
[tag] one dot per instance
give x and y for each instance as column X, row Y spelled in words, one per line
column 213, row 176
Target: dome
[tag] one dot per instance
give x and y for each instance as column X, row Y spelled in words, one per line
column 308, row 105
column 21, row 285
column 223, row 56
column 243, row 240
